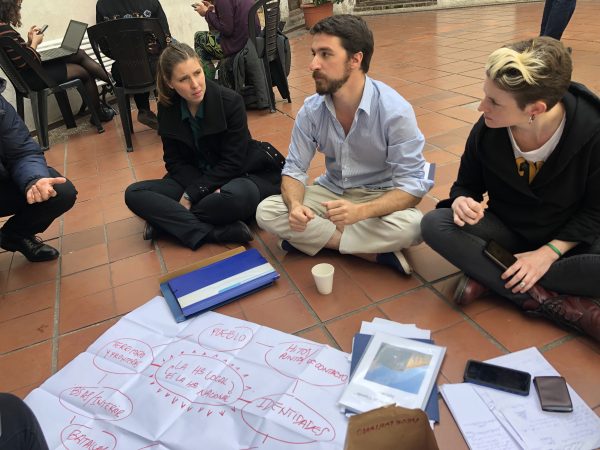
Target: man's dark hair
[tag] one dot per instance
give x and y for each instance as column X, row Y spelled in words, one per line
column 353, row 32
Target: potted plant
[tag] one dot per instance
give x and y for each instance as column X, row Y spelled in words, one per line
column 316, row 10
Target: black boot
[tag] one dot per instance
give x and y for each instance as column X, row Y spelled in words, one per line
column 235, row 232
column 32, row 247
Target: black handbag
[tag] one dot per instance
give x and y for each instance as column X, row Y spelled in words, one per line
column 263, row 156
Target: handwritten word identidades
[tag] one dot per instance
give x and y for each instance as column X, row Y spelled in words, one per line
column 125, row 353
column 229, row 335
column 328, row 370
column 83, row 441
column 296, row 417
column 296, row 353
column 390, row 423
column 95, row 399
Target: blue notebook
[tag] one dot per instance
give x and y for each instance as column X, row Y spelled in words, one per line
column 359, row 345
column 218, row 283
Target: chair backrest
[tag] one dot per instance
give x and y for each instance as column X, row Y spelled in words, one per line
column 269, row 33
column 134, row 43
column 14, row 74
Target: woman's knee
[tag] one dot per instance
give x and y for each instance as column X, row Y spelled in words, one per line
column 132, row 194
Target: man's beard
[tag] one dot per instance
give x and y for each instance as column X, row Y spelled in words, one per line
column 326, row 86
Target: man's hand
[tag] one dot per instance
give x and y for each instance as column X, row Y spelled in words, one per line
column 299, row 217
column 467, row 210
column 43, row 189
column 342, row 212
column 528, row 269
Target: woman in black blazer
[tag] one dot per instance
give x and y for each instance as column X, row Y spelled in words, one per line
column 216, row 173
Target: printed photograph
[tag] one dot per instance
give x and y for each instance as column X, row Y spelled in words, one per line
column 400, row 368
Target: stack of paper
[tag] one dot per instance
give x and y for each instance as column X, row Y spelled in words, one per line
column 493, row 419
column 381, row 343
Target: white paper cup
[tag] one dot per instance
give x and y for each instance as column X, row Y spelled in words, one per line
column 323, row 275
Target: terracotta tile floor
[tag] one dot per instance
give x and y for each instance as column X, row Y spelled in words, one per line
column 49, row 312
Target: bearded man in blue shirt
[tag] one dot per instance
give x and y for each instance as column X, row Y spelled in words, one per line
column 364, row 204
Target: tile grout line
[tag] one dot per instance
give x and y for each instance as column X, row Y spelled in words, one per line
column 57, row 289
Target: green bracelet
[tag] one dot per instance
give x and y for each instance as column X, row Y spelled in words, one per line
column 554, row 249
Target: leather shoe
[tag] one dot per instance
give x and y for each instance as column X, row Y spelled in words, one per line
column 571, row 311
column 579, row 313
column 105, row 114
column 32, row 247
column 150, row 232
column 468, row 290
column 235, row 232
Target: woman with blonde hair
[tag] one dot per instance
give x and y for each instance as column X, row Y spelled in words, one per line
column 216, row 173
column 529, row 179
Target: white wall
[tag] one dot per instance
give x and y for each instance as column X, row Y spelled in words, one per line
column 183, row 21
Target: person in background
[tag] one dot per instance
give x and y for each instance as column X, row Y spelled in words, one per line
column 535, row 152
column 228, row 24
column 556, row 17
column 78, row 65
column 123, row 9
column 364, row 204
column 32, row 193
column 19, row 429
column 216, row 173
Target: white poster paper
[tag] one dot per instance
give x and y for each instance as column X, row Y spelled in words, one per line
column 212, row 382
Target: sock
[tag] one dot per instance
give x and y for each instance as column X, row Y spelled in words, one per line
column 389, row 259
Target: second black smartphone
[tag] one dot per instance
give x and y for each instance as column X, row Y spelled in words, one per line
column 553, row 394
column 499, row 255
column 41, row 30
column 497, row 377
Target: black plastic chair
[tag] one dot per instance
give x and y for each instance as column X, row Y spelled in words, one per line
column 268, row 46
column 39, row 98
column 134, row 44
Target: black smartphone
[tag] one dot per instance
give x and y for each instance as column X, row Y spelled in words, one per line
column 553, row 394
column 497, row 377
column 194, row 5
column 41, row 30
column 499, row 255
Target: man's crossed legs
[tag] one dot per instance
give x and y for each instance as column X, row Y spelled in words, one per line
column 378, row 239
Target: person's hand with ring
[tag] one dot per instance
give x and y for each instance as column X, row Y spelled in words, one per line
column 528, row 269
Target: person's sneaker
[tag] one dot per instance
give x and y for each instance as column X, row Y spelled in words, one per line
column 397, row 260
column 32, row 247
column 235, row 232
column 148, row 118
column 285, row 245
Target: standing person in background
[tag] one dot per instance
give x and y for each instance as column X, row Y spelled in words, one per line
column 78, row 65
column 124, row 9
column 556, row 17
